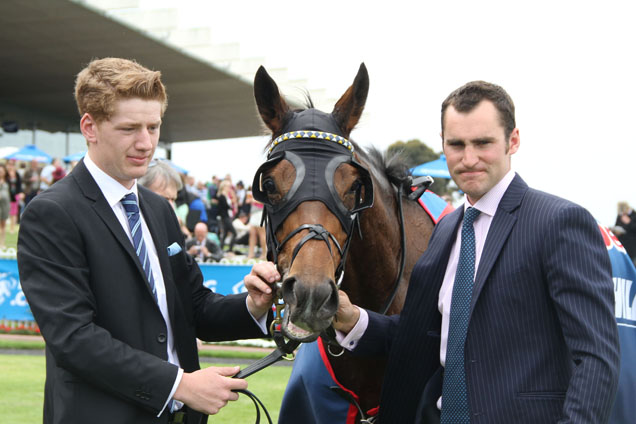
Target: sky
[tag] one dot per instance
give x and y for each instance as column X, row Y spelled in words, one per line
column 568, row 65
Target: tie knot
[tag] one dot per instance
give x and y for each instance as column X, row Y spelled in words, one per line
column 129, row 202
column 470, row 215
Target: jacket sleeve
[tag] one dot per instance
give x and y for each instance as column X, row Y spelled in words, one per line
column 376, row 340
column 580, row 284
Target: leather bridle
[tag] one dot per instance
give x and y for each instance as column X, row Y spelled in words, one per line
column 275, row 215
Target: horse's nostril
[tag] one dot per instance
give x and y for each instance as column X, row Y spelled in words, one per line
column 334, row 299
column 330, row 304
column 289, row 295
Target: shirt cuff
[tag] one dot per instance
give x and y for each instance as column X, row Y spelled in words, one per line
column 175, row 405
column 261, row 322
column 350, row 341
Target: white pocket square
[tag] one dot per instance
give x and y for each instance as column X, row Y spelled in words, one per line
column 173, row 249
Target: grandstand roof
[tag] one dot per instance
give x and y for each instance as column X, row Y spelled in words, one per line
column 45, row 43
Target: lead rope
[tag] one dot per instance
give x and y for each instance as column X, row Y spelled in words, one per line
column 284, row 350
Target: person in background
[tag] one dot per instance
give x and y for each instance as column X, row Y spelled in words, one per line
column 46, row 176
column 513, row 297
column 226, row 199
column 15, row 190
column 103, row 266
column 241, row 194
column 5, row 204
column 213, row 205
column 257, row 231
column 625, row 228
column 59, row 172
column 202, row 191
column 31, row 182
column 164, row 180
column 201, row 248
column 191, row 207
column 242, row 228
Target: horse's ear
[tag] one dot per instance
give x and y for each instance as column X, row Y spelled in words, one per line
column 348, row 109
column 271, row 105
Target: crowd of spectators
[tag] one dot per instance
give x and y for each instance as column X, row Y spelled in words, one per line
column 231, row 218
column 19, row 183
column 231, row 215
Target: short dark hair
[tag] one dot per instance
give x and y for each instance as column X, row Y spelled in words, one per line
column 468, row 96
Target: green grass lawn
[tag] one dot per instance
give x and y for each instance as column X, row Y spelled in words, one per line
column 11, row 240
column 22, row 385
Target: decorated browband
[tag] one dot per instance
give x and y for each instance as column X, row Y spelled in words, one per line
column 314, row 135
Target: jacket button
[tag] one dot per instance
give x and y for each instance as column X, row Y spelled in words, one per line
column 161, row 338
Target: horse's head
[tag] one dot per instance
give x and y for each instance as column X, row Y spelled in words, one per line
column 313, row 188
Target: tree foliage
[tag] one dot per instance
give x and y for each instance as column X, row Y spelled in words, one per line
column 414, row 153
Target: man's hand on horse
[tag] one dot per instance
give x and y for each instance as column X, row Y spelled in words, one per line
column 260, row 288
column 348, row 314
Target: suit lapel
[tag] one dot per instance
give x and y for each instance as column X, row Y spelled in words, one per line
column 448, row 228
column 161, row 245
column 91, row 191
column 500, row 228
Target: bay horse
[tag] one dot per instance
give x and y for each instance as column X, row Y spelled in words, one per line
column 328, row 204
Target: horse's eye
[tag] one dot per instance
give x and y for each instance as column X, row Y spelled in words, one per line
column 355, row 187
column 269, row 186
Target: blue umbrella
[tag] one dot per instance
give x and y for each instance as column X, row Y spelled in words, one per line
column 436, row 169
column 75, row 157
column 30, row 152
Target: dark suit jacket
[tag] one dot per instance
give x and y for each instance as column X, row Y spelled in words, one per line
column 106, row 356
column 542, row 343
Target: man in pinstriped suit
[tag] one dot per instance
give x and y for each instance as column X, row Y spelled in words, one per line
column 542, row 342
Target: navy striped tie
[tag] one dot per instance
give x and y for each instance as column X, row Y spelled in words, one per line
column 134, row 223
column 454, row 393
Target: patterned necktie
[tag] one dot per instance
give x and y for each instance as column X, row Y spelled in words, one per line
column 134, row 223
column 454, row 393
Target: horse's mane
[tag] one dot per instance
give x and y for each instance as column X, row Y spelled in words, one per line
column 394, row 166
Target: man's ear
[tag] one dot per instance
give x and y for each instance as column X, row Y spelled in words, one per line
column 514, row 141
column 88, row 126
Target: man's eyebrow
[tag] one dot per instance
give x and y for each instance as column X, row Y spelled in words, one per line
column 136, row 124
column 454, row 140
column 483, row 140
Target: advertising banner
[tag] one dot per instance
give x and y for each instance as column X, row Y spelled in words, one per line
column 220, row 278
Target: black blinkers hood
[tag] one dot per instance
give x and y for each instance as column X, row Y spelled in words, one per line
column 313, row 144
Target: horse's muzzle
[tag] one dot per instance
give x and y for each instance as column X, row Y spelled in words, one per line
column 310, row 307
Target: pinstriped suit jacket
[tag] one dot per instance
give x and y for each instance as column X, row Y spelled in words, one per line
column 542, row 343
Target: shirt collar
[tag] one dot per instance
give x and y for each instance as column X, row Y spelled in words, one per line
column 490, row 201
column 113, row 191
